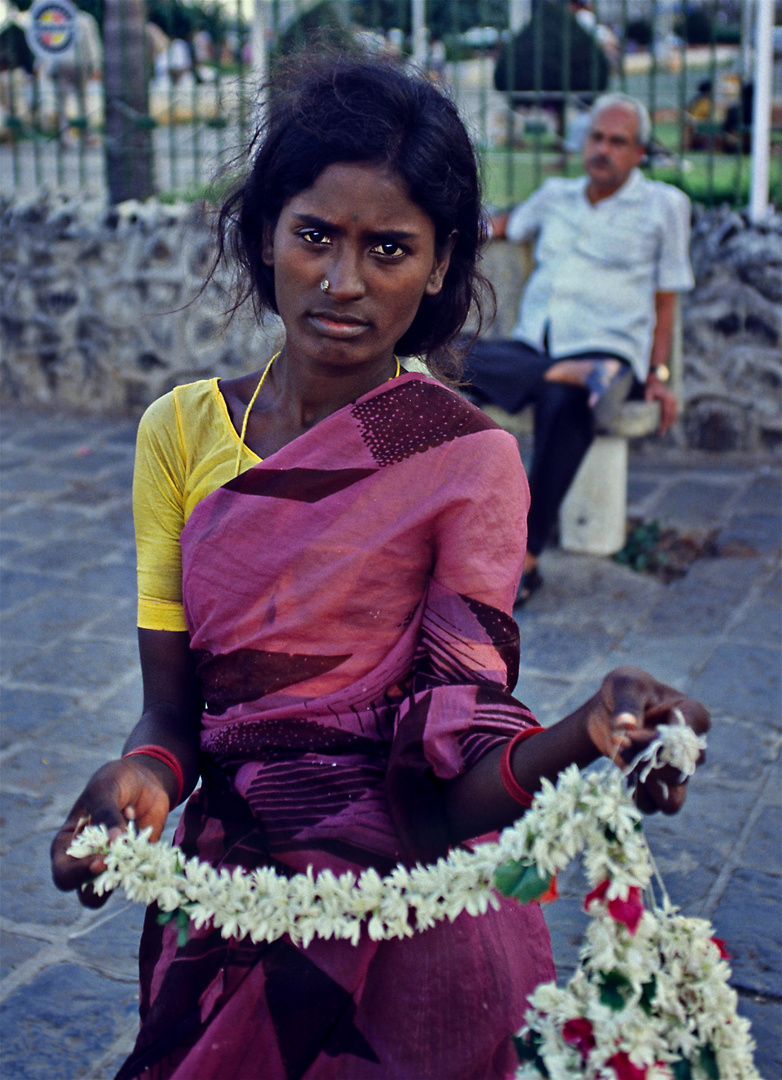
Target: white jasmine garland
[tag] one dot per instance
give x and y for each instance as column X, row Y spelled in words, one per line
column 649, row 999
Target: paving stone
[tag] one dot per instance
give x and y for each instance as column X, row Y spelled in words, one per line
column 91, row 492
column 752, row 930
column 111, row 943
column 62, row 1021
column 68, row 556
column 21, row 484
column 46, row 766
column 9, row 545
column 112, row 526
column 79, row 665
column 118, row 521
column 693, row 502
column 57, row 441
column 735, row 751
column 16, row 586
column 765, row 842
column 122, row 433
column 16, row 949
column 107, row 735
column 760, row 531
column 639, row 489
column 50, row 616
column 761, row 623
column 765, row 1015
column 17, row 811
column 763, row 494
column 90, row 460
column 573, row 582
column 114, row 580
column 671, row 658
column 567, row 921
column 744, row 681
column 33, row 898
column 25, row 521
column 704, row 601
column 544, row 696
column 547, row 646
column 25, row 711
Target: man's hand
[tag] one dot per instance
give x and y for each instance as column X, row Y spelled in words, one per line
column 657, row 390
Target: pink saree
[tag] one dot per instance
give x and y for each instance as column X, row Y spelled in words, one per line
column 349, row 604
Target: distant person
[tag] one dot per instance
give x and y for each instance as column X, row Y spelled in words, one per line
column 585, row 16
column 596, row 318
column 699, row 111
column 737, row 126
column 73, row 74
column 175, row 62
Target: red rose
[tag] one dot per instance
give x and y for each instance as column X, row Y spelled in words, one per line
column 624, row 1068
column 724, row 954
column 578, row 1032
column 627, row 911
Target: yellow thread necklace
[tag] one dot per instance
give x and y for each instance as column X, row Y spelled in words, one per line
column 251, row 402
column 247, row 412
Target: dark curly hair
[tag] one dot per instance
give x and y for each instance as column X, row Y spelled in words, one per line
column 349, row 108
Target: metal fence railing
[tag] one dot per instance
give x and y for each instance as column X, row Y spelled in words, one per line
column 522, row 71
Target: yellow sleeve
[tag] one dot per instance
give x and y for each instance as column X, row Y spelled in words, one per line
column 186, row 448
column 159, row 516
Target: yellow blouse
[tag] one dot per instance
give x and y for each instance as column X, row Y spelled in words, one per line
column 186, row 449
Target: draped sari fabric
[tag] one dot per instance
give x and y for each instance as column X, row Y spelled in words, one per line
column 348, row 601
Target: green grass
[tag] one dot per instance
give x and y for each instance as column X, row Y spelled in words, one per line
column 512, row 176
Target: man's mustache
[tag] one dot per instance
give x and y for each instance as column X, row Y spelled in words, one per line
column 598, row 159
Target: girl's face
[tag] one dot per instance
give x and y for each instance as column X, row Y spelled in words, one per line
column 357, row 229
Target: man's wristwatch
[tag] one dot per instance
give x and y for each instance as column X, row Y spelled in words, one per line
column 661, row 372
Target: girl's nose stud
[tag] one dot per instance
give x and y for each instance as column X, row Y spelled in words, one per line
column 325, row 285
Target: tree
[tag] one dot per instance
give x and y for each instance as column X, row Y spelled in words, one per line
column 125, row 82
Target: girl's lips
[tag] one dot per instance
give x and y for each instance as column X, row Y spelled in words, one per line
column 334, row 326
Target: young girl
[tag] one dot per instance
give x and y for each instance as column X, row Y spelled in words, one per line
column 329, row 550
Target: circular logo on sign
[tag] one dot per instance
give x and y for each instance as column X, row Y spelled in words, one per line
column 51, row 30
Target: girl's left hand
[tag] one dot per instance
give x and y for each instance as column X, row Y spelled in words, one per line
column 622, row 721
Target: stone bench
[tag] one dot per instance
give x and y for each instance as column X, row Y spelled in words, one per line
column 593, row 515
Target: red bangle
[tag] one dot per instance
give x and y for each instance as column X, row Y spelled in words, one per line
column 167, row 758
column 513, row 788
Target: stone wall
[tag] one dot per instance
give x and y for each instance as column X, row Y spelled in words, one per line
column 732, row 324
column 100, row 311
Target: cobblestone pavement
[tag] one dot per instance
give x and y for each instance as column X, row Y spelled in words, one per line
column 71, row 691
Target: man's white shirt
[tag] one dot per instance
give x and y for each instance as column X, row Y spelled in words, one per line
column 598, row 267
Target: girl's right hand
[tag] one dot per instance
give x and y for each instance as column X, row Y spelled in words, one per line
column 120, row 791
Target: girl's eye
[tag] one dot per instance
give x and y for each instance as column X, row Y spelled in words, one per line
column 314, row 236
column 389, row 250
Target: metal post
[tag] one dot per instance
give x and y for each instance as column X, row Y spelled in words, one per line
column 259, row 40
column 747, row 11
column 761, row 109
column 519, row 13
column 418, row 15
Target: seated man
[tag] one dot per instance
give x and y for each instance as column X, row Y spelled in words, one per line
column 596, row 318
